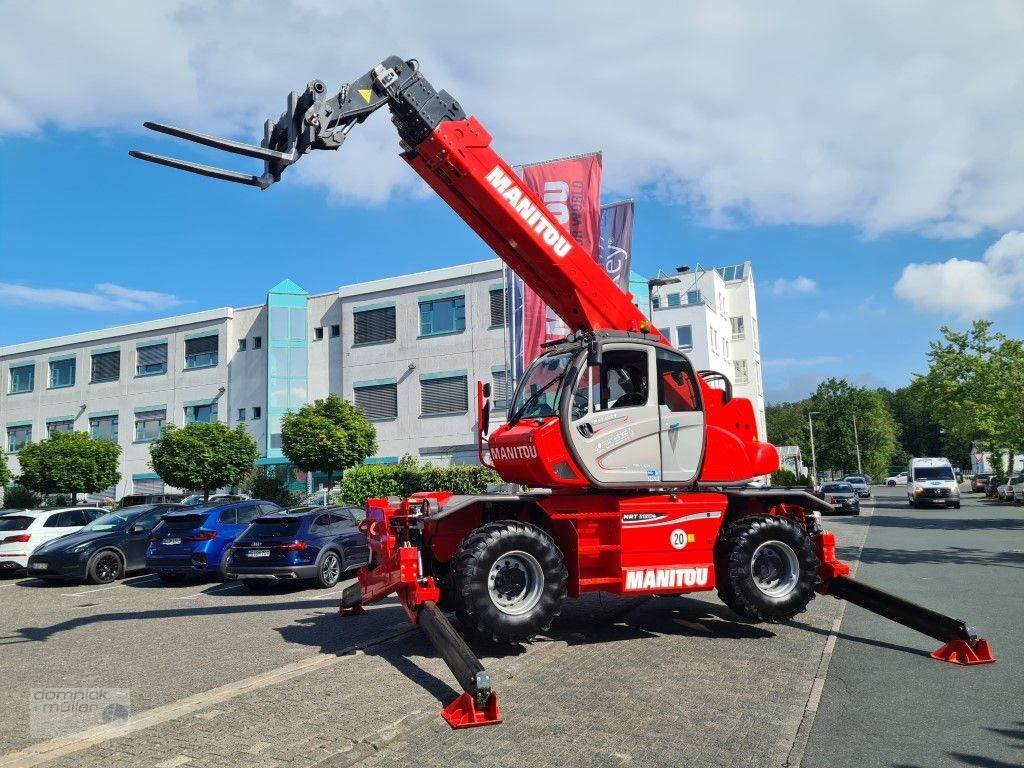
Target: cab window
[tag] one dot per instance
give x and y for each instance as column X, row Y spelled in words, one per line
column 619, row 382
column 677, row 386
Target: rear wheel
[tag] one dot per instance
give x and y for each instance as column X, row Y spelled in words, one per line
column 508, row 581
column 104, row 567
column 766, row 568
column 329, row 571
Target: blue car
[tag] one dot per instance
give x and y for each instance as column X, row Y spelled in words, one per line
column 194, row 543
column 318, row 544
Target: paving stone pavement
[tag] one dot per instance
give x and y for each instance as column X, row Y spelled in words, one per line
column 646, row 682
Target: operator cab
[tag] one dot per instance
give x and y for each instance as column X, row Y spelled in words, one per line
column 626, row 410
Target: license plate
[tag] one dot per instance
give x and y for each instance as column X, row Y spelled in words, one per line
column 170, row 542
column 259, row 553
column 40, row 566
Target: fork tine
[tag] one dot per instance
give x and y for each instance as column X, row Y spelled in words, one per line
column 204, row 170
column 238, row 147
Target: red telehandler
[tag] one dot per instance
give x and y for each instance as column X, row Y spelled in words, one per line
column 638, row 462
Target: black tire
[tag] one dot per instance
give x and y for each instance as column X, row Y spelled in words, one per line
column 328, row 570
column 957, row 505
column 105, row 567
column 757, row 543
column 222, row 570
column 515, row 564
column 891, row 484
column 171, row 578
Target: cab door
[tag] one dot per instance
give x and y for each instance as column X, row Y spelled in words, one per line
column 614, row 425
column 681, row 418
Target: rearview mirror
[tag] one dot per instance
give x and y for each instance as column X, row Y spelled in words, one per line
column 135, row 529
column 485, row 409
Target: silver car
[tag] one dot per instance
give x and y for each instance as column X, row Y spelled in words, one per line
column 860, row 485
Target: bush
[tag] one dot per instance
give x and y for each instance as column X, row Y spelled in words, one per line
column 20, row 497
column 783, row 477
column 406, row 477
column 271, row 488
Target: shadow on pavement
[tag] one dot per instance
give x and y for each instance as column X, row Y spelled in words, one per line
column 1015, row 741
column 861, row 640
column 947, row 556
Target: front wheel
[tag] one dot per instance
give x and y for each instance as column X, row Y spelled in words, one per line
column 329, row 571
column 508, row 581
column 766, row 568
column 891, row 483
column 104, row 568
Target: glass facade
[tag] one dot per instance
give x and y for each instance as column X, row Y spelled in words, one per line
column 288, row 359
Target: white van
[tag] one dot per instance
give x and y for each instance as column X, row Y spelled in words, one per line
column 932, row 482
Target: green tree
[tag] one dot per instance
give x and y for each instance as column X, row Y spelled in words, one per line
column 327, row 436
column 786, row 424
column 5, row 473
column 837, row 403
column 69, row 463
column 203, row 456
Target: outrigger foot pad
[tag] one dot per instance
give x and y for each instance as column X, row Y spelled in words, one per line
column 351, row 603
column 463, row 712
column 963, row 652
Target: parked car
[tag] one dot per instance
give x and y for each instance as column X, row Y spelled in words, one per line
column 931, row 481
column 319, row 545
column 196, row 499
column 1004, row 491
column 979, row 481
column 842, row 496
column 22, row 531
column 992, row 486
column 900, row 479
column 104, row 550
column 1017, row 491
column 194, row 542
column 139, row 499
column 860, row 484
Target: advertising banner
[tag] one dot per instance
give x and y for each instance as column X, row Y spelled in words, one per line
column 617, row 241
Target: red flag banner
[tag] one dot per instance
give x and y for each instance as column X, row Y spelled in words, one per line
column 571, row 190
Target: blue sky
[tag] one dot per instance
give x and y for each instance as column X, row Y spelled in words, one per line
column 745, row 156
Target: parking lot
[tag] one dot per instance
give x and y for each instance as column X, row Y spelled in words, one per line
column 217, row 675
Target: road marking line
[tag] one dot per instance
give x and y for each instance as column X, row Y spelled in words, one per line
column 89, row 591
column 45, row 751
column 139, row 579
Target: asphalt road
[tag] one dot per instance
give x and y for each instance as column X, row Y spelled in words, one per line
column 219, row 677
column 885, row 702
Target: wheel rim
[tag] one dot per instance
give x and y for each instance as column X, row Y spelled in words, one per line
column 775, row 568
column 106, row 568
column 515, row 582
column 331, row 569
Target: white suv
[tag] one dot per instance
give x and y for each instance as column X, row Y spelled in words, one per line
column 931, row 481
column 21, row 531
column 1018, row 490
column 900, row 479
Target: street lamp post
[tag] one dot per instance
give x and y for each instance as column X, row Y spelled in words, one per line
column 856, row 443
column 814, row 456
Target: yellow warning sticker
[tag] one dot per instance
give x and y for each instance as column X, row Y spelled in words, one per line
column 366, row 93
column 690, row 538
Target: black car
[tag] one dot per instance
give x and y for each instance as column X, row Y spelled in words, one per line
column 842, row 496
column 318, row 544
column 104, row 550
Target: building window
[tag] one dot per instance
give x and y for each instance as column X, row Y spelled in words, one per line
column 257, row 413
column 443, row 316
column 497, row 306
column 684, row 336
column 151, row 360
column 149, row 425
column 740, row 371
column 201, row 352
column 737, row 327
column 672, row 299
column 23, row 379
column 379, row 402
column 318, row 333
column 444, row 395
column 62, row 373
column 693, row 297
column 241, row 414
column 62, row 425
column 500, row 389
column 731, row 274
column 257, row 342
column 655, row 302
column 106, row 366
column 205, row 414
column 373, row 326
column 18, row 437
column 335, row 331
column 103, row 428
column 241, row 345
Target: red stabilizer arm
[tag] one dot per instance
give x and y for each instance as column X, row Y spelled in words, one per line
column 463, row 712
column 965, row 653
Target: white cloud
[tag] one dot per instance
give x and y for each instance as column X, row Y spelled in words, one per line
column 801, row 362
column 884, row 116
column 785, row 286
column 106, row 297
column 965, row 288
